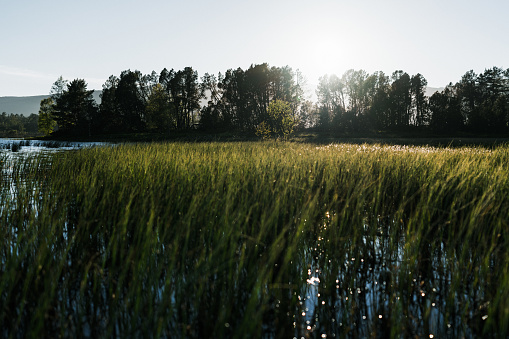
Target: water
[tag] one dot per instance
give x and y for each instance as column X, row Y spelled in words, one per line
column 10, row 146
column 376, row 281
column 13, row 151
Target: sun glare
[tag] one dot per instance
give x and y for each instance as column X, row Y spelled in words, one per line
column 327, row 52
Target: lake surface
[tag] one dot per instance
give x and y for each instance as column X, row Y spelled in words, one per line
column 31, row 146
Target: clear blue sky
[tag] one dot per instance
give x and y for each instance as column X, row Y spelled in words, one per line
column 441, row 39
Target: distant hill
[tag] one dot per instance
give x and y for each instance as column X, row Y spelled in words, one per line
column 28, row 105
column 21, row 105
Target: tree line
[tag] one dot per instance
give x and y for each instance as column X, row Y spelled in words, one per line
column 240, row 100
column 173, row 100
column 477, row 104
column 17, row 125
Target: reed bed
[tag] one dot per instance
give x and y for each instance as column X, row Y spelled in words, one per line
column 267, row 239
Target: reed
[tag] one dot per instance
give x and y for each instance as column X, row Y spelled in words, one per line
column 269, row 239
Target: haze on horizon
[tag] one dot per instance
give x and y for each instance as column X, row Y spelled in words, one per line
column 93, row 40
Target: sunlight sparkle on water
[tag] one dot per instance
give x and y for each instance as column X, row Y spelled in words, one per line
column 313, row 281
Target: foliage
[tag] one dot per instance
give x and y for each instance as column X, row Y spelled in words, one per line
column 75, row 108
column 18, row 125
column 184, row 93
column 130, row 101
column 58, row 88
column 357, row 103
column 280, row 120
column 109, row 118
column 484, row 100
column 445, row 112
column 159, row 113
column 46, row 122
column 241, row 98
column 263, row 130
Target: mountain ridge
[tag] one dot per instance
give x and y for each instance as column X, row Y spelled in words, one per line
column 26, row 105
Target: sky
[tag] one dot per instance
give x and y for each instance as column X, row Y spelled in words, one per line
column 91, row 40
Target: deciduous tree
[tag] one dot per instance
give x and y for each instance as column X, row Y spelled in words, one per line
column 159, row 113
column 46, row 123
column 280, row 120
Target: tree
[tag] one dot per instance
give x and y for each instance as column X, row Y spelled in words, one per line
column 302, row 107
column 147, row 84
column 468, row 94
column 47, row 123
column 401, row 99
column 31, row 123
column 418, row 88
column 18, row 125
column 211, row 116
column 308, row 115
column 280, row 120
column 445, row 110
column 75, row 108
column 184, row 93
column 233, row 99
column 380, row 107
column 158, row 111
column 58, row 88
column 110, row 119
column 257, row 90
column 493, row 91
column 192, row 96
column 240, row 99
column 331, row 99
column 130, row 101
column 355, row 92
column 484, row 100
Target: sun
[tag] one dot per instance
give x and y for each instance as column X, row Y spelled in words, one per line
column 326, row 53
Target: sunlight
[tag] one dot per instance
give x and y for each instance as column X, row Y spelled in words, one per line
column 324, row 55
column 327, row 52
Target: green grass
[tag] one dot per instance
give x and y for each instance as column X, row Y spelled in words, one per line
column 264, row 239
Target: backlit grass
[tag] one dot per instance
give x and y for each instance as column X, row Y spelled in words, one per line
column 256, row 240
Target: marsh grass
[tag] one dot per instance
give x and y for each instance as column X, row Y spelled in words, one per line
column 256, row 240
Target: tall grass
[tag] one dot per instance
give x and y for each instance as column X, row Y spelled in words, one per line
column 256, row 240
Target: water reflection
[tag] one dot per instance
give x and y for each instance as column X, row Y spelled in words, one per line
column 17, row 157
column 9, row 146
column 367, row 286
